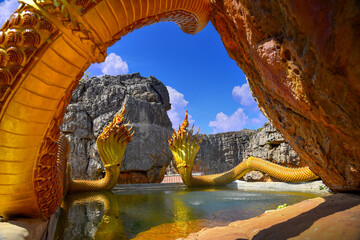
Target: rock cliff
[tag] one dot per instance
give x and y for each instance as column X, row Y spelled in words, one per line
column 223, row 151
column 96, row 101
column 269, row 144
column 302, row 63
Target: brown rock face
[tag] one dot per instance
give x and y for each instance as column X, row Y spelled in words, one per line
column 302, row 58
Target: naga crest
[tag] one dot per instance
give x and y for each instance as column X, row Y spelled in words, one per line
column 184, row 147
column 112, row 141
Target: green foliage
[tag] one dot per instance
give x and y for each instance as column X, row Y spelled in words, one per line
column 281, row 206
column 251, row 136
column 324, row 187
column 85, row 77
column 278, row 208
column 260, row 129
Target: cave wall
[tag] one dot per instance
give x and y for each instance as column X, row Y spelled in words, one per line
column 301, row 58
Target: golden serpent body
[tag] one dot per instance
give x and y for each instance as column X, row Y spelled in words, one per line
column 285, row 174
column 45, row 47
column 185, row 146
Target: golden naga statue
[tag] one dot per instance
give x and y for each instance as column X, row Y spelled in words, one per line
column 45, row 47
column 111, row 145
column 184, row 147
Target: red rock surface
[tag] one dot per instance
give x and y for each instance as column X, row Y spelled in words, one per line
column 153, row 175
column 331, row 217
column 302, row 58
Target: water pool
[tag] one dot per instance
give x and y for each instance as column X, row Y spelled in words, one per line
column 162, row 214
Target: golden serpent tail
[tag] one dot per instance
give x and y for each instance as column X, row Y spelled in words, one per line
column 286, row 174
column 185, row 146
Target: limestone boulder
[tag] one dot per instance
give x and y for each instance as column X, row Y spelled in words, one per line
column 301, row 59
column 269, row 144
column 94, row 104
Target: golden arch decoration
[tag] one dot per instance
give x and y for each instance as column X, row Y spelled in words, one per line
column 45, row 47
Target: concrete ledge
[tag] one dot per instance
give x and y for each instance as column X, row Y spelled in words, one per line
column 311, row 187
column 148, row 186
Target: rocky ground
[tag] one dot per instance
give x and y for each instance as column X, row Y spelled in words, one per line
column 332, row 217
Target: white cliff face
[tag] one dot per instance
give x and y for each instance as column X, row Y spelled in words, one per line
column 94, row 104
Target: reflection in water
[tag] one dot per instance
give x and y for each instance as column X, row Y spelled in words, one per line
column 182, row 225
column 109, row 227
column 160, row 214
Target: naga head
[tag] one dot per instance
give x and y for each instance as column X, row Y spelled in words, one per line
column 111, row 143
column 184, row 147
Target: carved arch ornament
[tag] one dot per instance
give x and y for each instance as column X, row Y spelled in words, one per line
column 45, row 47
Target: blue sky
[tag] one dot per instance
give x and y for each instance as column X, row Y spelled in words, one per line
column 199, row 74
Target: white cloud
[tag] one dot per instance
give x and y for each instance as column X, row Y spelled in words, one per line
column 178, row 108
column 260, row 120
column 243, row 95
column 114, row 65
column 234, row 122
column 6, row 9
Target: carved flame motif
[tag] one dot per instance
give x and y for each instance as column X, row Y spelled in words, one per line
column 29, row 19
column 45, row 25
column 31, row 38
column 29, row 52
column 3, row 56
column 14, row 70
column 117, row 126
column 5, row 77
column 82, row 3
column 15, row 55
column 183, row 131
column 13, row 37
column 4, row 91
column 15, row 19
